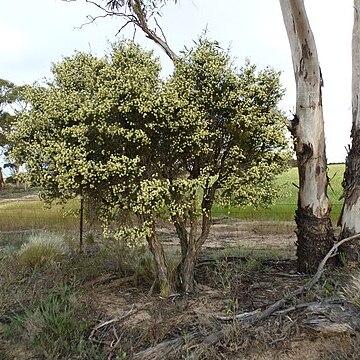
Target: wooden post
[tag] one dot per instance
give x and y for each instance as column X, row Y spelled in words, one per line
column 81, row 222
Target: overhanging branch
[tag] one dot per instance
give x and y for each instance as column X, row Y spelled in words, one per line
column 136, row 12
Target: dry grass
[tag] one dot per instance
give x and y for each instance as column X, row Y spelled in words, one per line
column 58, row 309
column 351, row 291
column 42, row 249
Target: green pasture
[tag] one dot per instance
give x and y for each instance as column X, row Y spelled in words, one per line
column 284, row 207
column 31, row 214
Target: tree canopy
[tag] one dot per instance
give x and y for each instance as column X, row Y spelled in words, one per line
column 112, row 129
column 9, row 94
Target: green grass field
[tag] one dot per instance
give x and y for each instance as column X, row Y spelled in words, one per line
column 25, row 215
column 285, row 206
column 31, row 214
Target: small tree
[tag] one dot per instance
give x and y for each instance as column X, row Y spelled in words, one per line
column 83, row 135
column 111, row 129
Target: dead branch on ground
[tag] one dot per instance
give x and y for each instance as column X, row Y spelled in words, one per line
column 162, row 350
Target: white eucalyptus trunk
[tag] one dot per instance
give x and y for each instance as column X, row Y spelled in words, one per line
column 350, row 218
column 314, row 229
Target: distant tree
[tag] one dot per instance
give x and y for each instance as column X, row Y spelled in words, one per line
column 8, row 96
column 9, row 100
column 147, row 149
column 314, row 230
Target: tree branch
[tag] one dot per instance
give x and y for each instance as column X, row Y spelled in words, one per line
column 135, row 12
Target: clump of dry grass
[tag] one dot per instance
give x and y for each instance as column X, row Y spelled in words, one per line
column 42, row 249
column 351, row 291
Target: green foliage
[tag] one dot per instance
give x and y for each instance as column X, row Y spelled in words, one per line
column 224, row 128
column 142, row 148
column 53, row 328
column 9, row 94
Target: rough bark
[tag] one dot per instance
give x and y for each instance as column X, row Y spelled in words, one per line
column 181, row 232
column 314, row 234
column 188, row 275
column 350, row 215
column 314, row 230
column 162, row 274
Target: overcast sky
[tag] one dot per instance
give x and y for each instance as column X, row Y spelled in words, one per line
column 36, row 33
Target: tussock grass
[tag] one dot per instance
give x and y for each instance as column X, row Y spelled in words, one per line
column 43, row 312
column 54, row 327
column 42, row 249
column 351, row 291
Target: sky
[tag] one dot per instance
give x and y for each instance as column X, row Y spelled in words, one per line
column 34, row 34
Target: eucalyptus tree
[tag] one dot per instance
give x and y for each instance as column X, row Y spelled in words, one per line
column 314, row 228
column 350, row 216
column 8, row 95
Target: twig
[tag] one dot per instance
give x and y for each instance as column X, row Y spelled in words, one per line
column 242, row 316
column 115, row 319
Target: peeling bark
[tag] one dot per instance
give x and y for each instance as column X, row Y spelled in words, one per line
column 350, row 215
column 314, row 230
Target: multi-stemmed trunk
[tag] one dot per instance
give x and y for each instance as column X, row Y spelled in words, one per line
column 314, row 230
column 191, row 242
column 350, row 216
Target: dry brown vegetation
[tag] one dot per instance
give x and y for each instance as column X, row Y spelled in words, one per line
column 102, row 304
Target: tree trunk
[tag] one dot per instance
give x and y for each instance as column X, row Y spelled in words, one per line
column 182, row 234
column 195, row 243
column 2, row 182
column 314, row 230
column 188, row 269
column 350, row 215
column 17, row 169
column 162, row 274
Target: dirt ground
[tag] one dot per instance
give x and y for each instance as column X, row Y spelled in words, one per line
column 235, row 282
column 144, row 321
